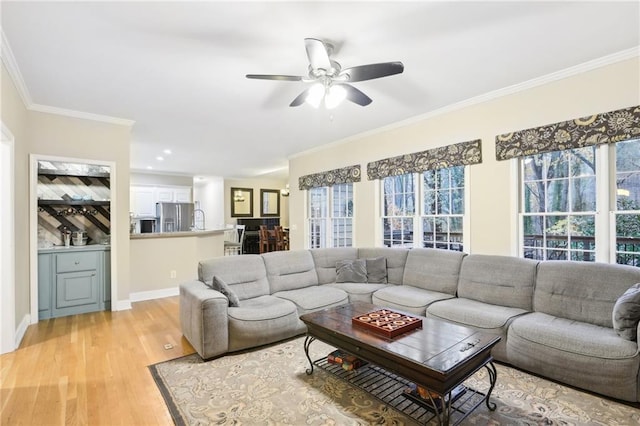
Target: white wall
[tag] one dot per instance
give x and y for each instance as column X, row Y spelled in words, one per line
column 491, row 184
column 209, row 191
column 256, row 185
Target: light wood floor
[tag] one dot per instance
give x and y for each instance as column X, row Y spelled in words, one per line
column 91, row 369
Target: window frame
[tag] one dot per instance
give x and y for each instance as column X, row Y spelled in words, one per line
column 327, row 222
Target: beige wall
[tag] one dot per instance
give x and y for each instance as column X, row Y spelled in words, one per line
column 62, row 136
column 153, row 260
column 490, row 184
column 257, row 185
column 14, row 116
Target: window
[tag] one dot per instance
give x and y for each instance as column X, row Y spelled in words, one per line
column 560, row 194
column 560, row 205
column 399, row 208
column 428, row 205
column 627, row 196
column 331, row 216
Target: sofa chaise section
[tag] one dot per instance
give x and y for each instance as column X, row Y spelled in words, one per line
column 492, row 291
column 214, row 328
column 429, row 275
column 570, row 337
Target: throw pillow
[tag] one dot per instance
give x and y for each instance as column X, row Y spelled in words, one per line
column 351, row 271
column 626, row 313
column 377, row 270
column 223, row 287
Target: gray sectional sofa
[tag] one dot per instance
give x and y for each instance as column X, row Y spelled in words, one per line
column 554, row 317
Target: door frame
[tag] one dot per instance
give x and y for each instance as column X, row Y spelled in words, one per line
column 33, row 225
column 7, row 242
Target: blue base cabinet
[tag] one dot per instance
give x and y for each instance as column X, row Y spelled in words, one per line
column 73, row 281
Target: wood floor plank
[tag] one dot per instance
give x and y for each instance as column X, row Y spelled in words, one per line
column 92, row 368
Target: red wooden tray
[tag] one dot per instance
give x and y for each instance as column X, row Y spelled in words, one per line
column 387, row 322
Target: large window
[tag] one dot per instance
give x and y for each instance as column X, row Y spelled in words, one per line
column 330, row 214
column 424, row 210
column 566, row 194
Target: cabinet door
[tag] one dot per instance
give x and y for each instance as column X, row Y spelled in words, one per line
column 183, row 195
column 164, row 195
column 77, row 289
column 143, row 201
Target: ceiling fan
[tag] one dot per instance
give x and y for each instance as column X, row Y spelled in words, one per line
column 330, row 82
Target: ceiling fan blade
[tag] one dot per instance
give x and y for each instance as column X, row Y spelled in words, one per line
column 299, row 100
column 317, row 54
column 371, row 71
column 356, row 95
column 275, row 77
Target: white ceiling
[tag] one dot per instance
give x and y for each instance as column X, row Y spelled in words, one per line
column 178, row 68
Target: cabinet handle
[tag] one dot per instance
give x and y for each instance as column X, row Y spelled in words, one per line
column 77, row 262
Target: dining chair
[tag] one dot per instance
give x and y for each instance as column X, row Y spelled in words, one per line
column 282, row 240
column 265, row 242
column 234, row 242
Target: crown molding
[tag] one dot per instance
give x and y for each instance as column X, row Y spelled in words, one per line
column 10, row 63
column 14, row 72
column 79, row 114
column 623, row 55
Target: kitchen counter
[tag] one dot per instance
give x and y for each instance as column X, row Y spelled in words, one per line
column 206, row 232
column 70, row 249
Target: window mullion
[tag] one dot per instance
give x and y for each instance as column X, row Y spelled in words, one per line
column 605, row 181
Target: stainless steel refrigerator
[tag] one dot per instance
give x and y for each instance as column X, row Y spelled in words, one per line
column 174, row 217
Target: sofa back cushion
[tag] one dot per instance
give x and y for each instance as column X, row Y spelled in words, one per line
column 433, row 269
column 290, row 270
column 245, row 275
column 396, row 260
column 582, row 291
column 499, row 280
column 325, row 260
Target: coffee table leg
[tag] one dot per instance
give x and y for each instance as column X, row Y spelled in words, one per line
column 493, row 377
column 307, row 342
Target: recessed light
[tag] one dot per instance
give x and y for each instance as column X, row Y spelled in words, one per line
column 159, row 158
column 167, row 151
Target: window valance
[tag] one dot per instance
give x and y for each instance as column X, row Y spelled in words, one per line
column 332, row 177
column 608, row 127
column 459, row 154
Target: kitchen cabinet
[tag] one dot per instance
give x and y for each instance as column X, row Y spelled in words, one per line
column 143, row 198
column 73, row 281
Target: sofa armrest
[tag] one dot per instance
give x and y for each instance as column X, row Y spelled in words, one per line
column 203, row 318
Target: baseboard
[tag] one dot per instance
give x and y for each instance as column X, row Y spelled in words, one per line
column 154, row 294
column 122, row 305
column 22, row 329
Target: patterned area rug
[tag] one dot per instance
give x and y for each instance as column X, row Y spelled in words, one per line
column 269, row 386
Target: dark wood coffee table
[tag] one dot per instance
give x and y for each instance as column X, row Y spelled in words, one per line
column 439, row 356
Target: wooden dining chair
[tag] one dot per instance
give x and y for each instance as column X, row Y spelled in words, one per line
column 282, row 240
column 265, row 241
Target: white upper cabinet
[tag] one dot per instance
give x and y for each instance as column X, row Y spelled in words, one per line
column 143, row 198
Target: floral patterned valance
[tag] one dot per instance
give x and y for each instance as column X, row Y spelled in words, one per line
column 330, row 178
column 597, row 129
column 458, row 154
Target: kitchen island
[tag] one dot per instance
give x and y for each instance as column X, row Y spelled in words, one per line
column 160, row 261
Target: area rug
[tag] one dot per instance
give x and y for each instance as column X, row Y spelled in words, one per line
column 269, row 386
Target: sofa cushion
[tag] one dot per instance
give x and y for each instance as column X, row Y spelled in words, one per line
column 396, row 260
column 221, row 286
column 573, row 336
column 351, row 271
column 473, row 313
column 433, row 269
column 626, row 313
column 582, row 291
column 262, row 320
column 500, row 280
column 289, row 270
column 314, row 298
column 407, row 298
column 376, row 270
column 358, row 292
column 325, row 260
column 245, row 275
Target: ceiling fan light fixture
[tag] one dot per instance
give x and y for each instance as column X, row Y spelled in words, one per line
column 334, row 96
column 315, row 95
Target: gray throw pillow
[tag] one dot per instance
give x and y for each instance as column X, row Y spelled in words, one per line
column 223, row 287
column 351, row 271
column 377, row 270
column 626, row 313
